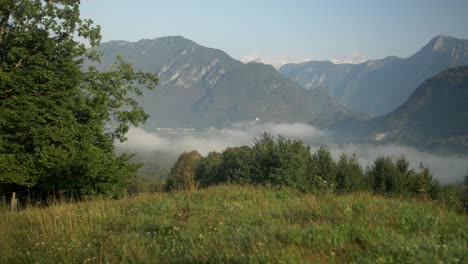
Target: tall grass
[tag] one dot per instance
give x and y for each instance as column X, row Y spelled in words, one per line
column 236, row 224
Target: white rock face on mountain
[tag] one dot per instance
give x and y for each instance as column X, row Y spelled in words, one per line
column 276, row 62
column 353, row 59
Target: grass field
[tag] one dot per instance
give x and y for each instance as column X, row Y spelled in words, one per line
column 234, row 224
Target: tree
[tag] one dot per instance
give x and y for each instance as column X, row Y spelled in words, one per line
column 385, row 176
column 208, row 170
column 236, row 165
column 264, row 154
column 58, row 122
column 294, row 165
column 325, row 167
column 349, row 176
column 425, row 185
column 282, row 162
column 182, row 175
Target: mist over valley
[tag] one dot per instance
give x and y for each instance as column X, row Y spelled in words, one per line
column 161, row 147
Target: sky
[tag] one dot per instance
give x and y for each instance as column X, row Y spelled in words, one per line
column 295, row 28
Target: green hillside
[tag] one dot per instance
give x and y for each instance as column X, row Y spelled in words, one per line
column 236, row 224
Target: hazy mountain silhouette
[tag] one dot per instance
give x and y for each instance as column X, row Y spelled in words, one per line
column 380, row 86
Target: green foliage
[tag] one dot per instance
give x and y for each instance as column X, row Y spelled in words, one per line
column 385, row 176
column 282, row 162
column 58, row 123
column 325, row 168
column 349, row 176
column 182, row 175
column 295, row 167
column 424, row 184
column 289, row 163
column 235, row 165
column 207, row 170
column 394, row 178
column 286, row 162
column 265, row 158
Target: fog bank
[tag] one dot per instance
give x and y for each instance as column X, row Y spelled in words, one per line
column 446, row 168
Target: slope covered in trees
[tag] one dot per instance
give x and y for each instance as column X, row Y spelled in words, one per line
column 433, row 117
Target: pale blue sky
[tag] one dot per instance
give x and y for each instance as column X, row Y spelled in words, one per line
column 298, row 28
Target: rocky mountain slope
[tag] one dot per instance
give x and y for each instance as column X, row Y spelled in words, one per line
column 204, row 87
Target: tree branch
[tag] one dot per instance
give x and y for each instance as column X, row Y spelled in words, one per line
column 19, row 63
column 3, row 25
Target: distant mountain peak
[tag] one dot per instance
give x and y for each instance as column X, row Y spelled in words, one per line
column 356, row 58
column 276, row 62
column 442, row 43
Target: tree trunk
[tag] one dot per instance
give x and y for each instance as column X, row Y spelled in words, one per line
column 13, row 202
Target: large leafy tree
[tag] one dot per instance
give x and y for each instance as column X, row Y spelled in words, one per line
column 182, row 175
column 295, row 167
column 58, row 121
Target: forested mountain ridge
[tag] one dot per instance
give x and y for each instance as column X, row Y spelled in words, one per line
column 434, row 115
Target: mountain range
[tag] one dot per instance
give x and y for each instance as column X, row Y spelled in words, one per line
column 435, row 115
column 277, row 62
column 204, row 87
column 379, row 86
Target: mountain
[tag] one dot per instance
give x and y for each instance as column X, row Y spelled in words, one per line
column 435, row 115
column 204, row 87
column 380, row 86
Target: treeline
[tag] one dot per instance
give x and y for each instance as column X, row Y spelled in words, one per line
column 288, row 162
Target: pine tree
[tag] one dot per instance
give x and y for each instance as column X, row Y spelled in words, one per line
column 350, row 176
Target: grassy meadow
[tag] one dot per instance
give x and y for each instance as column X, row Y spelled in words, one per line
column 236, row 224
